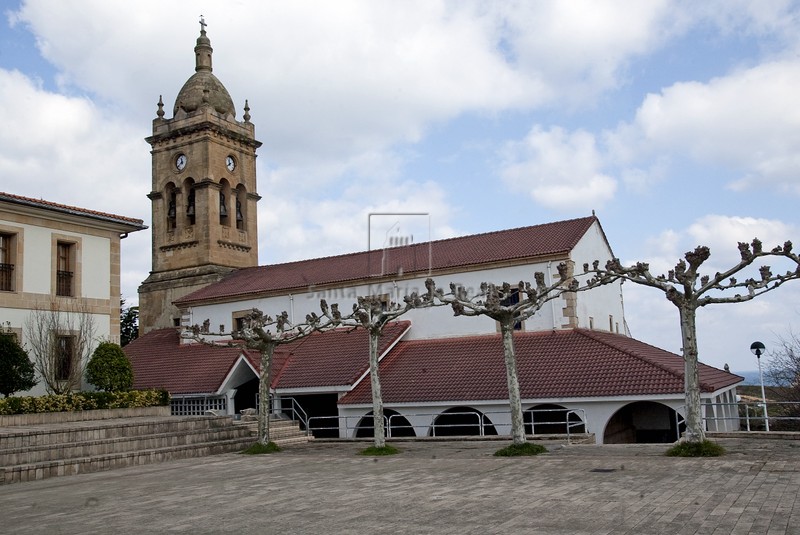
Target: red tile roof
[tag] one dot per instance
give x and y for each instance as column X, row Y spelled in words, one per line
column 333, row 358
column 159, row 360
column 506, row 245
column 47, row 205
column 550, row 364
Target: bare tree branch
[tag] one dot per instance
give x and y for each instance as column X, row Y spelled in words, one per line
column 688, row 290
column 61, row 337
column 509, row 305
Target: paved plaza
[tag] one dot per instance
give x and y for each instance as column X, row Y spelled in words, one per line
column 430, row 487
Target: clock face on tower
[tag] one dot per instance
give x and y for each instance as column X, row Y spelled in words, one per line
column 180, row 162
column 230, row 163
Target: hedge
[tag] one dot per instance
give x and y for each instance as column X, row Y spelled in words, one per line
column 84, row 401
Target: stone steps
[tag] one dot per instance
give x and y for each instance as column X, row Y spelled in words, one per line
column 41, row 451
column 282, row 432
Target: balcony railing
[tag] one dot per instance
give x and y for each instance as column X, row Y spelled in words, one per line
column 6, row 277
column 64, row 283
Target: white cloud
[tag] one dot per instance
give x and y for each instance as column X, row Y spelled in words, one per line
column 746, row 121
column 582, row 48
column 724, row 331
column 558, row 169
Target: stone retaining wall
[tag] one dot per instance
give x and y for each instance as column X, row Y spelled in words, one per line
column 9, row 420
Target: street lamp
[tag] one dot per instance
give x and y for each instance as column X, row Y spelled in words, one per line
column 758, row 348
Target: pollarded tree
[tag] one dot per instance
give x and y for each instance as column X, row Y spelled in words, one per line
column 17, row 372
column 688, row 290
column 265, row 333
column 109, row 368
column 373, row 313
column 510, row 305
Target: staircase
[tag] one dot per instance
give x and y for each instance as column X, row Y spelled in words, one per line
column 35, row 452
column 282, row 431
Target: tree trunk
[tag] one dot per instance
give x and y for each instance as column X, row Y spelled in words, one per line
column 514, row 401
column 264, row 379
column 694, row 422
column 377, row 400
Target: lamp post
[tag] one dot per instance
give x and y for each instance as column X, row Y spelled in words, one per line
column 758, row 348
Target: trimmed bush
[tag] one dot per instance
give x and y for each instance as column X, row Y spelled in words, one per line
column 16, row 369
column 705, row 448
column 258, row 448
column 84, row 401
column 385, row 450
column 515, row 450
column 109, row 368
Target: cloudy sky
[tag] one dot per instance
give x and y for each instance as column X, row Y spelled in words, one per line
column 679, row 125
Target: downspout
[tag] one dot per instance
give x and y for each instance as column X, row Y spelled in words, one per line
column 550, row 282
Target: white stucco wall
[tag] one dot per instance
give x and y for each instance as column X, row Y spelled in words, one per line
column 36, row 263
column 604, row 304
column 600, row 303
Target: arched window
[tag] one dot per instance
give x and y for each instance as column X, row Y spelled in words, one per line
column 225, row 208
column 241, row 208
column 395, row 425
column 171, row 200
column 462, row 421
column 188, row 188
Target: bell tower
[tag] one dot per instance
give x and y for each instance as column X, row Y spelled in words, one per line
column 204, row 193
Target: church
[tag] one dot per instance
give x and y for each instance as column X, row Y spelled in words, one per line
column 579, row 369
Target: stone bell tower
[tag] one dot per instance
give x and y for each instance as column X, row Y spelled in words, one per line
column 204, row 193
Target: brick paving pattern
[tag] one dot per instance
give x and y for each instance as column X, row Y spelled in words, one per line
column 430, row 487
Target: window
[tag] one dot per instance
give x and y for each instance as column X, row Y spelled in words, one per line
column 65, row 268
column 238, row 320
column 190, row 208
column 513, row 299
column 171, row 210
column 223, row 209
column 64, row 357
column 6, row 262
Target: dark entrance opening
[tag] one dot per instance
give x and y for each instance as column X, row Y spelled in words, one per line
column 643, row 422
column 317, row 407
column 550, row 419
column 461, row 421
column 399, row 426
column 246, row 396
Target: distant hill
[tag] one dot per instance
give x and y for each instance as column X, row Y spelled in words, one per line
column 751, row 378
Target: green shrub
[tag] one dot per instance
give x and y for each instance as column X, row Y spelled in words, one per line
column 385, row 450
column 109, row 368
column 258, row 448
column 16, row 369
column 705, row 448
column 83, row 401
column 526, row 448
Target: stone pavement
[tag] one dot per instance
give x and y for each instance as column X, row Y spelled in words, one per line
column 431, row 487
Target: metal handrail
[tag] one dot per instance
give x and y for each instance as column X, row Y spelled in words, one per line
column 351, row 422
column 752, row 411
column 296, row 410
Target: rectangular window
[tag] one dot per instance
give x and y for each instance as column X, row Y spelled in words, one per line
column 513, row 299
column 64, row 357
column 6, row 262
column 64, row 268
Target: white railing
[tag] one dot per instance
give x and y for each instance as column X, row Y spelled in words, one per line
column 401, row 421
column 197, row 406
column 745, row 416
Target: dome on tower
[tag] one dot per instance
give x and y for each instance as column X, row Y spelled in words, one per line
column 203, row 88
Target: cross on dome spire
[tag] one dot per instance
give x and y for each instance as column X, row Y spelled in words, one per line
column 203, row 49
